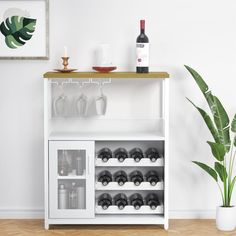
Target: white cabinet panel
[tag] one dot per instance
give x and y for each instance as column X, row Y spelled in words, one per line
column 71, row 179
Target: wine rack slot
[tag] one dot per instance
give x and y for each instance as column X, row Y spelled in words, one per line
column 130, row 162
column 129, row 210
column 129, row 186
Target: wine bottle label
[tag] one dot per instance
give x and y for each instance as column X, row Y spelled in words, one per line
column 142, row 54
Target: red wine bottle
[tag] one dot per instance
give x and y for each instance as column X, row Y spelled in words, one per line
column 105, row 201
column 136, row 200
column 142, row 50
column 152, row 177
column 152, row 200
column 152, row 154
column 105, row 154
column 121, row 154
column 136, row 177
column 121, row 200
column 105, row 177
column 120, row 177
column 136, row 154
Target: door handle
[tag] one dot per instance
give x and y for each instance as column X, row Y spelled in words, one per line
column 88, row 165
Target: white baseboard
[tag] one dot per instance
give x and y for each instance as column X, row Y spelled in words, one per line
column 21, row 213
column 39, row 214
column 192, row 214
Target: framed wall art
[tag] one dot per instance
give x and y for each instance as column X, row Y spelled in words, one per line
column 24, row 29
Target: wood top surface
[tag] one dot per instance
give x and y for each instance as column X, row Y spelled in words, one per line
column 118, row 75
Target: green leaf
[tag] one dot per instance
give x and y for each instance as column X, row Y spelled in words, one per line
column 17, row 30
column 208, row 122
column 222, row 123
column 233, row 124
column 220, row 169
column 208, row 169
column 218, row 150
column 199, row 80
column 221, row 118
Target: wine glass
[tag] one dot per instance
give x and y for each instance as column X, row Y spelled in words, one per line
column 60, row 104
column 81, row 103
column 101, row 102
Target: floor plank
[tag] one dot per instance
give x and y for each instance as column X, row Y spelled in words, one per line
column 177, row 228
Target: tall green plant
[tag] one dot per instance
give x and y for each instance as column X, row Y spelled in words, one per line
column 223, row 150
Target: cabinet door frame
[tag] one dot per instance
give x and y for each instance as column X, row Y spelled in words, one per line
column 89, row 211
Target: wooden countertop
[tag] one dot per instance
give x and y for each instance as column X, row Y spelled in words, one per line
column 117, row 75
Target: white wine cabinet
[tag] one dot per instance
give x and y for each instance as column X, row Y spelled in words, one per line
column 77, row 126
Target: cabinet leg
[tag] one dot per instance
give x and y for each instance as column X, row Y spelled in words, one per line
column 46, row 225
column 166, row 225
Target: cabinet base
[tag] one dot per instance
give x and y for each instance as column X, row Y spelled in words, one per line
column 113, row 220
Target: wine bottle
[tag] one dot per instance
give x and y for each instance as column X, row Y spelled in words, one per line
column 63, row 165
column 105, row 200
column 120, row 177
column 121, row 154
column 62, row 197
column 105, row 154
column 152, row 153
column 136, row 154
column 142, row 50
column 152, row 200
column 105, row 177
column 152, row 177
column 121, row 200
column 136, row 177
column 136, row 200
column 73, row 196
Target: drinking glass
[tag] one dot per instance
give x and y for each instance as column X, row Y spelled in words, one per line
column 60, row 104
column 81, row 103
column 101, row 103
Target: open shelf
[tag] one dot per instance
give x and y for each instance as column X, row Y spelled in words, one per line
column 106, row 136
column 130, row 162
column 129, row 186
column 72, row 177
column 129, row 210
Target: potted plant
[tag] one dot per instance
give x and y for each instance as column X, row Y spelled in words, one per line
column 223, row 149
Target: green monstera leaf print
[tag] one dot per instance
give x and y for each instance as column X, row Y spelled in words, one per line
column 17, row 30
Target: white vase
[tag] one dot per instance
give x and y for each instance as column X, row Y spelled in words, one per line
column 226, row 218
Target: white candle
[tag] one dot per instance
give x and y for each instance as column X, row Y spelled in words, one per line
column 65, row 52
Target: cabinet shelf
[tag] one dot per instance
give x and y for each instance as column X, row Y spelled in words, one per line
column 72, row 177
column 129, row 210
column 129, row 186
column 106, row 136
column 130, row 162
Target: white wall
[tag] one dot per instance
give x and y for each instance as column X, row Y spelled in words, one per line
column 199, row 33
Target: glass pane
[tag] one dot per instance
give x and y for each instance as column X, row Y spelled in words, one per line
column 71, row 194
column 71, row 162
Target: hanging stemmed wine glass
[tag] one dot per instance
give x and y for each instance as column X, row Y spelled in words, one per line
column 60, row 104
column 81, row 102
column 101, row 102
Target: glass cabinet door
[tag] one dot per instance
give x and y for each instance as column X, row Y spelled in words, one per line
column 71, row 179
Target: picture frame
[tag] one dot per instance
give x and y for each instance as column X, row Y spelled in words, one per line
column 24, row 29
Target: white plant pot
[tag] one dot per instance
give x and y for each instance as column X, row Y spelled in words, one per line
column 226, row 218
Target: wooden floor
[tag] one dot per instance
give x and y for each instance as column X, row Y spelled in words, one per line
column 177, row 228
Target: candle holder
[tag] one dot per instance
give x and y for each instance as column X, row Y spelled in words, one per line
column 65, row 62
